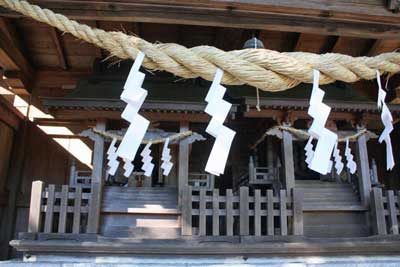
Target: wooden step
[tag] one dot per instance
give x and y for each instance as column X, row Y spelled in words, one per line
column 329, row 206
column 142, row 232
column 335, row 231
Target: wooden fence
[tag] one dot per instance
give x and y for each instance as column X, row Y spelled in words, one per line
column 385, row 211
column 206, row 212
column 58, row 209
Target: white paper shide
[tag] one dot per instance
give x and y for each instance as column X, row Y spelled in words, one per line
column 387, row 121
column 218, row 109
column 134, row 95
column 319, row 160
column 166, row 165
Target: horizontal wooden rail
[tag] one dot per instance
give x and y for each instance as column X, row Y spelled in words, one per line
column 206, row 212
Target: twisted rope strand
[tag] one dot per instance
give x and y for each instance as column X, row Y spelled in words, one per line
column 262, row 68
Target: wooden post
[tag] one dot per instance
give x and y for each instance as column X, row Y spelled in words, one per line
column 229, row 212
column 379, row 222
column 35, row 218
column 364, row 181
column 244, row 210
column 297, row 198
column 97, row 181
column 288, row 165
column 183, row 163
column 391, row 207
column 270, row 212
column 186, row 224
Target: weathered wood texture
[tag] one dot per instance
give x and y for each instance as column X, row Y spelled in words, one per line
column 288, row 165
column 385, row 211
column 97, row 180
column 183, row 163
column 258, row 214
column 363, row 170
column 63, row 209
column 368, row 19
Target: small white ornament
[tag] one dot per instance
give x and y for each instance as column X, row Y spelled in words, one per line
column 338, row 160
column 128, row 167
column 351, row 165
column 146, row 159
column 112, row 156
column 166, row 158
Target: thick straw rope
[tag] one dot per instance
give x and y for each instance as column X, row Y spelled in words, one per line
column 261, row 68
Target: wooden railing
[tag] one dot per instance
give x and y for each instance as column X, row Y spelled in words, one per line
column 206, row 212
column 58, row 209
column 385, row 211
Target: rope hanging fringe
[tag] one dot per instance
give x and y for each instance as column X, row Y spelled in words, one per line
column 265, row 69
column 154, row 141
column 305, row 135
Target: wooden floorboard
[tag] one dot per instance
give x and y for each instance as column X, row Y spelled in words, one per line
column 277, row 246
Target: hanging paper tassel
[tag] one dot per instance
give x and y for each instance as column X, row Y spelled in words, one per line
column 321, row 157
column 166, row 158
column 309, row 150
column 387, row 121
column 128, row 167
column 146, row 159
column 218, row 109
column 338, row 160
column 351, row 165
column 112, row 158
column 134, row 95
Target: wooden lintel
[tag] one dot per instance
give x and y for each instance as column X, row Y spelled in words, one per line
column 341, row 18
column 116, row 115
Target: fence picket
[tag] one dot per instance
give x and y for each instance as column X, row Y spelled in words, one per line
column 229, row 212
column 244, row 210
column 283, row 212
column 48, row 221
column 77, row 209
column 393, row 224
column 270, row 212
column 202, row 206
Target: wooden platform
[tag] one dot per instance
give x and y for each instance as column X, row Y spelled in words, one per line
column 239, row 246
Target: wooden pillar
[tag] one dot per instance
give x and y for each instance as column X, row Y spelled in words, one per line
column 270, row 155
column 288, row 165
column 97, row 181
column 183, row 163
column 364, row 181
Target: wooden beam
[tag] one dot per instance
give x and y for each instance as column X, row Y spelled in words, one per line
column 288, row 164
column 12, row 57
column 9, row 115
column 383, row 45
column 55, row 35
column 183, row 163
column 346, row 18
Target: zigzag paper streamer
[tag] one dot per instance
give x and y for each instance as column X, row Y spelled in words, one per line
column 351, row 165
column 112, row 156
column 134, row 95
column 128, row 167
column 218, row 109
column 309, row 150
column 146, row 159
column 321, row 157
column 166, row 158
column 338, row 159
column 387, row 121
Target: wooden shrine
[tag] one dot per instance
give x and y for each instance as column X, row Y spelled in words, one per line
column 60, row 99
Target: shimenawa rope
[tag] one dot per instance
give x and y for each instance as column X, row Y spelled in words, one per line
column 265, row 69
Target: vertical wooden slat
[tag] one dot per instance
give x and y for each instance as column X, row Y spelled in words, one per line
column 97, row 181
column 297, row 197
column 257, row 212
column 229, row 212
column 379, row 223
column 270, row 212
column 393, row 223
column 187, row 211
column 202, row 210
column 288, row 165
column 48, row 221
column 77, row 209
column 35, row 207
column 244, row 211
column 283, row 212
column 63, row 209
column 183, row 162
column 363, row 170
column 215, row 216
